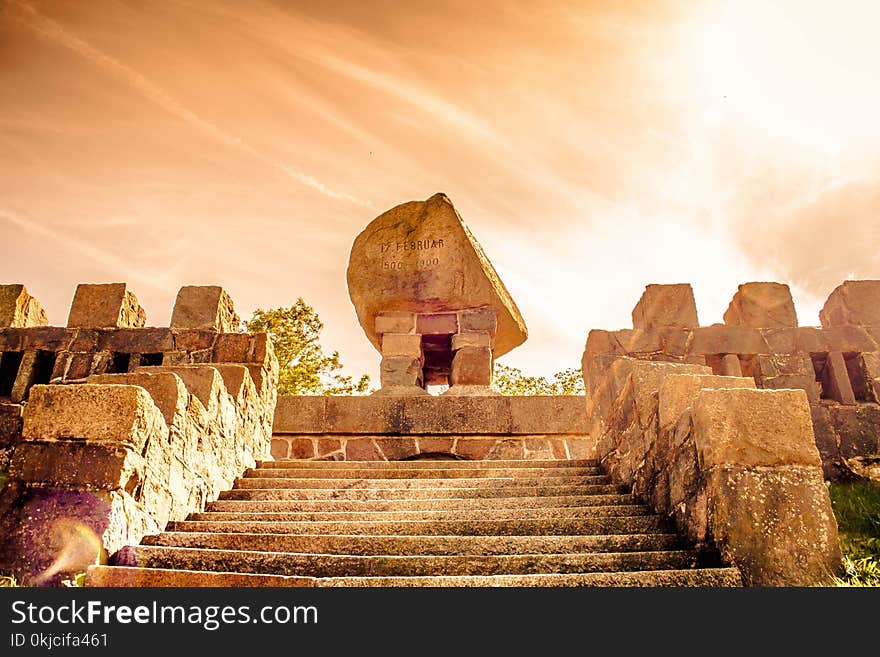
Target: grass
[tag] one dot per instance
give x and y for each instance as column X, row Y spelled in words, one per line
column 857, row 509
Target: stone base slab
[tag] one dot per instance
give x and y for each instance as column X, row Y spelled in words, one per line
column 346, row 447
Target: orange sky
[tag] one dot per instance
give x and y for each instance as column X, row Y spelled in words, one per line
column 592, row 147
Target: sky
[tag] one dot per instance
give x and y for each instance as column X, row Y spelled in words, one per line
column 592, row 148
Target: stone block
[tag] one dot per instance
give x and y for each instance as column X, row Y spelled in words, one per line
column 472, row 366
column 202, row 381
column 280, row 449
column 679, row 392
column 445, row 415
column 18, row 309
column 299, row 414
column 835, row 379
column 472, row 339
column 436, row 323
column 403, row 371
column 853, row 302
column 136, row 341
column 205, row 307
column 478, row 320
column 10, row 424
column 106, row 305
column 720, row 339
column 775, row 524
column 193, row 339
column 373, row 414
column 402, row 344
column 761, row 305
column 362, row 449
column 232, row 348
column 166, row 389
column 751, row 428
column 664, row 306
column 117, row 414
column 548, row 415
column 780, row 340
column 302, row 448
column 730, row 365
column 397, row 449
column 69, row 463
column 236, row 378
column 80, row 366
column 395, row 322
column 474, row 449
column 435, row 444
column 805, row 382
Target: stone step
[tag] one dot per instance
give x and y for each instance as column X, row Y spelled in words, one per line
column 414, row 465
column 478, row 482
column 419, row 493
column 118, row 576
column 256, row 506
column 445, row 515
column 420, row 473
column 336, row 565
column 548, row 526
column 417, row 545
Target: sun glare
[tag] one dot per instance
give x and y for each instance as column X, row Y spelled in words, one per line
column 792, row 69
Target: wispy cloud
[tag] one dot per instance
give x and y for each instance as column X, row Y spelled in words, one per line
column 156, row 94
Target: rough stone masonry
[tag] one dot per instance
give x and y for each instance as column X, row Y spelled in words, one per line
column 110, row 430
column 430, row 301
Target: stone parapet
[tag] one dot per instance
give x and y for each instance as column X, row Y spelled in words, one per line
column 442, row 415
column 736, row 468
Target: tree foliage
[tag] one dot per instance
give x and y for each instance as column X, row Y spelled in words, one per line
column 512, row 381
column 304, row 368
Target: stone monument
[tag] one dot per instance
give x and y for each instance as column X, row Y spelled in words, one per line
column 430, row 301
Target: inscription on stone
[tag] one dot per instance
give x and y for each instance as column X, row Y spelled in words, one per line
column 408, row 248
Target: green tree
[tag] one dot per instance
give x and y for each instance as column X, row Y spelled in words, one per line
column 512, row 381
column 304, row 368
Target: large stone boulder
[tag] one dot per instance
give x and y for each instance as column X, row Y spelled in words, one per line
column 664, row 306
column 761, row 305
column 419, row 257
column 852, row 302
column 18, row 309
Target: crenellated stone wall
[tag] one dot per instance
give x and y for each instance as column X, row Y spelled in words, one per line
column 734, row 467
column 109, row 430
column 837, row 365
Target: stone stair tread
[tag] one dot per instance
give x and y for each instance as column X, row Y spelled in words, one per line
column 162, row 577
column 615, row 524
column 419, row 505
column 420, row 473
column 448, row 515
column 415, row 483
column 337, row 565
column 445, row 464
column 420, row 493
column 414, row 545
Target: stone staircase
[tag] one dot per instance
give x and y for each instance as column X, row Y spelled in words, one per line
column 418, row 523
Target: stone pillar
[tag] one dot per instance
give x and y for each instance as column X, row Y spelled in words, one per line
column 666, row 306
column 852, row 303
column 18, row 309
column 730, row 365
column 761, row 305
column 835, row 380
column 472, row 364
column 402, row 361
column 206, row 307
column 108, row 305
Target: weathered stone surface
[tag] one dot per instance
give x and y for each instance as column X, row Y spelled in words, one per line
column 853, row 302
column 472, row 366
column 400, row 372
column 105, row 305
column 402, row 344
column 666, row 305
column 166, row 389
column 118, row 414
column 730, row 365
column 775, row 524
column 299, row 414
column 835, row 379
column 436, row 323
column 761, row 305
column 206, row 307
column 10, row 424
column 202, row 381
column 19, row 309
column 473, row 339
column 395, row 322
column 420, row 257
column 136, row 341
column 678, row 392
column 72, row 463
column 749, row 428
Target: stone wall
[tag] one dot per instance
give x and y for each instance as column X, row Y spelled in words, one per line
column 110, row 431
column 734, row 467
column 396, row 428
column 837, row 365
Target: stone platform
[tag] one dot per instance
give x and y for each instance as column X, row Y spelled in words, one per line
column 404, row 428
